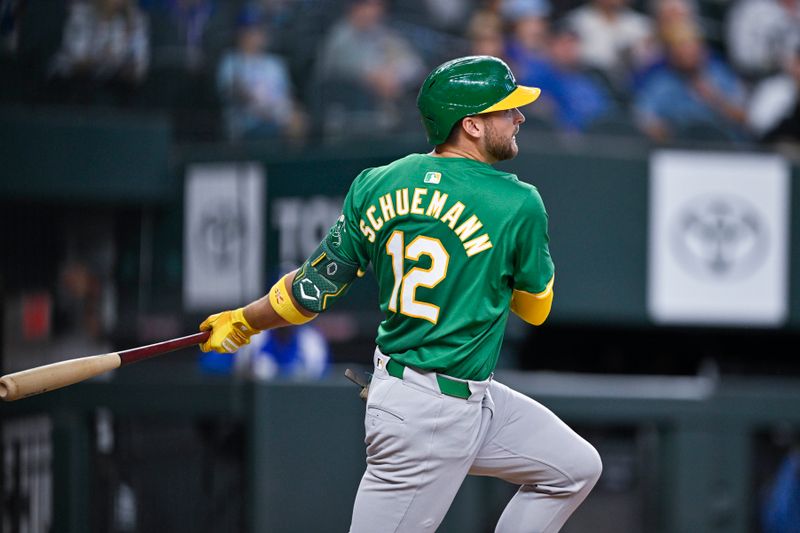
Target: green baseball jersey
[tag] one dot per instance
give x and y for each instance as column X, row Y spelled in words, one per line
column 448, row 239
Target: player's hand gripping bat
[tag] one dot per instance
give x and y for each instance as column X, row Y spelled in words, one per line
column 54, row 376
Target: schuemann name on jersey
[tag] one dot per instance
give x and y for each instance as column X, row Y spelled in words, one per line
column 421, row 201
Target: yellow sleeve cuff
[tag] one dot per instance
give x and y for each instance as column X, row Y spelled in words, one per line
column 283, row 305
column 533, row 308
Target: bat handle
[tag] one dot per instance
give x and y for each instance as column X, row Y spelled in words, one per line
column 151, row 350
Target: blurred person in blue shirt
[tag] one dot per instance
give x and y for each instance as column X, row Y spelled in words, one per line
column 284, row 353
column 573, row 96
column 670, row 16
column 780, row 512
column 691, row 90
column 255, row 85
column 526, row 47
column 289, row 353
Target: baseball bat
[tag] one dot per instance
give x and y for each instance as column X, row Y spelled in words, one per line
column 56, row 375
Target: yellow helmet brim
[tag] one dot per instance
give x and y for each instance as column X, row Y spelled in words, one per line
column 519, row 97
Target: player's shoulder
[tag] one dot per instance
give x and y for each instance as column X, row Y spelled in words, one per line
column 510, row 186
column 372, row 175
column 521, row 197
column 529, row 191
column 532, row 197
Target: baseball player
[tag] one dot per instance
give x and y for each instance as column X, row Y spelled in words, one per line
column 455, row 245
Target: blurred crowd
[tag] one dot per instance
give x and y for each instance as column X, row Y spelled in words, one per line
column 297, row 69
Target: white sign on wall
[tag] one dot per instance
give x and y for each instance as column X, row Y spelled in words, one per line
column 718, row 241
column 223, row 256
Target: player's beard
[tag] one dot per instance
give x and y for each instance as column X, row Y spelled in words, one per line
column 499, row 148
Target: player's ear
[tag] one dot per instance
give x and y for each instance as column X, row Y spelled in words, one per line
column 473, row 126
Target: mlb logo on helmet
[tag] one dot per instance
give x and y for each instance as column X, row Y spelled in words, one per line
column 433, row 177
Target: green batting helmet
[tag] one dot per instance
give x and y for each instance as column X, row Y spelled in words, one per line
column 468, row 86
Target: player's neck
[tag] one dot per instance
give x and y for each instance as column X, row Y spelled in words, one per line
column 466, row 152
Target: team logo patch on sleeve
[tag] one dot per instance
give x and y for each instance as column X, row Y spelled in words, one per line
column 335, row 233
column 433, row 177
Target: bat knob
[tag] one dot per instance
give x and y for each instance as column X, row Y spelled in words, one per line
column 7, row 388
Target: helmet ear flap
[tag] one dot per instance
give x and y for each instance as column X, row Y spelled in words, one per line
column 432, row 128
column 452, row 129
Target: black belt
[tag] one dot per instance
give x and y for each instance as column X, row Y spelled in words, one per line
column 448, row 386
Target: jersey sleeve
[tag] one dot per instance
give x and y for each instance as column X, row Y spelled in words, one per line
column 533, row 267
column 353, row 241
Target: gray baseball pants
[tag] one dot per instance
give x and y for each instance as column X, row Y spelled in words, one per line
column 421, row 444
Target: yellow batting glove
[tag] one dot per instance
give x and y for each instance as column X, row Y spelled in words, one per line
column 229, row 331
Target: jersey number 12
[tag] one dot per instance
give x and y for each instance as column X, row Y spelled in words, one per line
column 405, row 285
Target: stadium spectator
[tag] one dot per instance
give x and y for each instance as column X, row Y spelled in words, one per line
column 79, row 299
column 368, row 72
column 487, row 12
column 440, row 15
column 780, row 510
column 574, row 97
column 289, row 353
column 761, row 33
column 485, row 36
column 615, row 39
column 104, row 41
column 180, row 31
column 692, row 93
column 300, row 353
column 10, row 11
column 774, row 111
column 671, row 16
column 527, row 44
column 254, row 85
